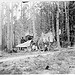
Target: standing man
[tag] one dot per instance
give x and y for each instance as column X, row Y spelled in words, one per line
column 22, row 40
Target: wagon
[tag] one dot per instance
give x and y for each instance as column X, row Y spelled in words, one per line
column 26, row 45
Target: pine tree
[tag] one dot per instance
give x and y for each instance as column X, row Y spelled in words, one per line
column 57, row 25
column 11, row 27
column 0, row 27
column 8, row 28
column 2, row 23
column 53, row 30
column 67, row 21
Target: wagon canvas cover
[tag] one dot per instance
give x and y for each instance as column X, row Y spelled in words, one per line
column 26, row 44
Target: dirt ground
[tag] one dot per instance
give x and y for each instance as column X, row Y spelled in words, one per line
column 56, row 62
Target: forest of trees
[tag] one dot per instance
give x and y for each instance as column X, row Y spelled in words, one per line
column 18, row 19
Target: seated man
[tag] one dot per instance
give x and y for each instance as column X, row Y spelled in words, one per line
column 34, row 47
column 45, row 47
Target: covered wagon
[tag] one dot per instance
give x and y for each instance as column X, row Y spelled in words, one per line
column 25, row 45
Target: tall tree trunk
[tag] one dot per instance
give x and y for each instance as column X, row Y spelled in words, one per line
column 57, row 25
column 21, row 12
column 2, row 16
column 8, row 28
column 34, row 31
column 0, row 27
column 67, row 21
column 11, row 26
column 53, row 30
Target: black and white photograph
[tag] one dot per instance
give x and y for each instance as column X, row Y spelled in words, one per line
column 37, row 37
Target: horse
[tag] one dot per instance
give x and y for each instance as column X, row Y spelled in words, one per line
column 46, row 39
